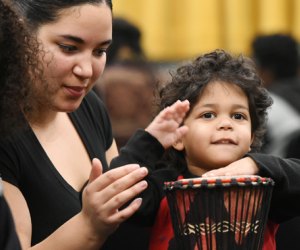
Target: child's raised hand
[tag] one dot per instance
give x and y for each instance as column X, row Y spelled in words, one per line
column 166, row 125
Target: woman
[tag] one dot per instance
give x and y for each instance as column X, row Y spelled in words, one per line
column 51, row 172
column 45, row 167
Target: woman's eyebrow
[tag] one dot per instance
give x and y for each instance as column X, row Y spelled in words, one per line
column 79, row 40
column 73, row 38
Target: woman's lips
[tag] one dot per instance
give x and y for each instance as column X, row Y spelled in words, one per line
column 75, row 91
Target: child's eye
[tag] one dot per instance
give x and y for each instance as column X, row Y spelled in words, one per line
column 239, row 116
column 67, row 48
column 208, row 115
column 99, row 52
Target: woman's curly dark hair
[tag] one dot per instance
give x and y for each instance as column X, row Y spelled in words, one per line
column 18, row 68
column 189, row 81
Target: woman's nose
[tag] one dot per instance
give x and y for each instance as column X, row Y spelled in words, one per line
column 84, row 68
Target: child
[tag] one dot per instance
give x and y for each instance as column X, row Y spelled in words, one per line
column 226, row 120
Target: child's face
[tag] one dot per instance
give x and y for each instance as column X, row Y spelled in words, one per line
column 219, row 128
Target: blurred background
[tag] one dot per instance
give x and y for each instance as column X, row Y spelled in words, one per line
column 175, row 30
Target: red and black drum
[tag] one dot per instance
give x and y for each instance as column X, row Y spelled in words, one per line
column 219, row 213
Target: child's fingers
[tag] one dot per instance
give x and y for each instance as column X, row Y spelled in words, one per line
column 181, row 131
column 244, row 166
column 176, row 112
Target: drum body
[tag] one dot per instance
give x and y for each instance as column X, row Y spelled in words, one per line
column 221, row 213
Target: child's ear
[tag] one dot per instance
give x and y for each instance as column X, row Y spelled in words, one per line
column 178, row 145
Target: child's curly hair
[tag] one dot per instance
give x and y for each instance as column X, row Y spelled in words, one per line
column 18, row 69
column 189, row 81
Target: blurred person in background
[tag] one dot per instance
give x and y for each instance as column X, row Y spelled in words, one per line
column 128, row 83
column 126, row 43
column 127, row 91
column 277, row 60
column 126, row 88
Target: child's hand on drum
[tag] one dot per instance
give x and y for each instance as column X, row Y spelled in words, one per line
column 244, row 166
column 166, row 125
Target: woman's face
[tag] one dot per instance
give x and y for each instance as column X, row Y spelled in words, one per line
column 74, row 54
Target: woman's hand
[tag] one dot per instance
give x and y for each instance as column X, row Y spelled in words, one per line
column 106, row 193
column 166, row 125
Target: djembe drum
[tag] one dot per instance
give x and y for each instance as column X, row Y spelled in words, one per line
column 220, row 213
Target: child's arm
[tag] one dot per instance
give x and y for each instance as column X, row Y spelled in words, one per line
column 286, row 194
column 285, row 173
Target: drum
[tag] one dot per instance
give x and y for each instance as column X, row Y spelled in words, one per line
column 219, row 213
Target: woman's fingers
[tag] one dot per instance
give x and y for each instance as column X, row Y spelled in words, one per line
column 115, row 187
column 103, row 202
column 113, row 206
column 96, row 170
column 105, row 194
column 109, row 177
column 125, row 188
column 116, row 201
column 127, row 212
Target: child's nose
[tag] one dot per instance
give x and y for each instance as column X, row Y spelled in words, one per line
column 225, row 123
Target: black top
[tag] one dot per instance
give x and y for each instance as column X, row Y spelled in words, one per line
column 25, row 164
